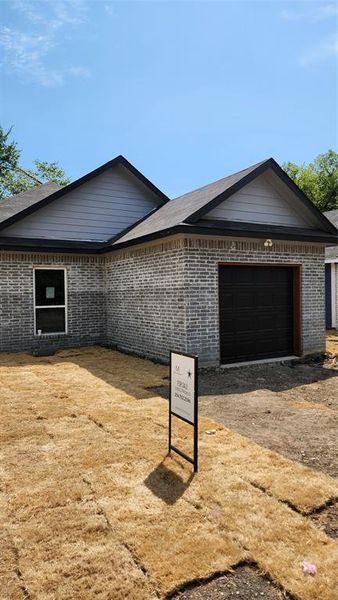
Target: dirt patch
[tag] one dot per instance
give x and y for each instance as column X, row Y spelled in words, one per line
column 244, row 583
column 284, row 408
column 327, row 519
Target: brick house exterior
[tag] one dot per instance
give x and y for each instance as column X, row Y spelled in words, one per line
column 155, row 290
column 165, row 296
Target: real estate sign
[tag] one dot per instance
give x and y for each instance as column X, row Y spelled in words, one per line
column 183, row 397
column 182, row 386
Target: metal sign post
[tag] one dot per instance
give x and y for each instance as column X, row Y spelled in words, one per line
column 183, row 398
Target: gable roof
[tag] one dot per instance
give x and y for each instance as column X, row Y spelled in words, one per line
column 190, row 208
column 42, row 199
column 183, row 214
column 13, row 205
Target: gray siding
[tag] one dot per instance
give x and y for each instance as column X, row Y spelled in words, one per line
column 97, row 210
column 260, row 202
column 332, row 252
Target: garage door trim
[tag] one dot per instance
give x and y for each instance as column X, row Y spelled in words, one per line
column 297, row 294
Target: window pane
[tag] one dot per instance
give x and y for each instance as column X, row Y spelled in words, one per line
column 50, row 320
column 49, row 287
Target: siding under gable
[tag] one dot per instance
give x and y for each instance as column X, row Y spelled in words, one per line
column 96, row 210
column 264, row 200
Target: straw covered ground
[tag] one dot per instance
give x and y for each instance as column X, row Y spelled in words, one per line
column 332, row 343
column 91, row 506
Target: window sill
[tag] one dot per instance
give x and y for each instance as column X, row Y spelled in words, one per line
column 48, row 335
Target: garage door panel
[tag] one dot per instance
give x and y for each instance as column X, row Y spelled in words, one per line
column 243, row 300
column 256, row 312
column 228, row 301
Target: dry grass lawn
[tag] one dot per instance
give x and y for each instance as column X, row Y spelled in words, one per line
column 91, row 506
column 332, row 343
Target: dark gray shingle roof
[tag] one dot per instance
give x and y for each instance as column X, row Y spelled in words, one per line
column 332, row 215
column 178, row 210
column 15, row 204
column 332, row 252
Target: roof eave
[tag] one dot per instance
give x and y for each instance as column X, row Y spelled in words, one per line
column 230, row 231
column 238, row 230
column 40, row 245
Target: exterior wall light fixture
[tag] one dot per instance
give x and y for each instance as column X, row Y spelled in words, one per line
column 268, row 244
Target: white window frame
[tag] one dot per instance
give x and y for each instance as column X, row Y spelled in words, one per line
column 65, row 305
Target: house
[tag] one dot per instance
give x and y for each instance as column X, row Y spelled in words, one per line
column 331, row 277
column 233, row 271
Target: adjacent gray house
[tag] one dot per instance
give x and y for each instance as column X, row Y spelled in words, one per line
column 331, row 277
column 233, row 271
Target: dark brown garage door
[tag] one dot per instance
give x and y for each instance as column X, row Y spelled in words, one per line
column 256, row 312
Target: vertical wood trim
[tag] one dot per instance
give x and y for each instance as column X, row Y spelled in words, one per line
column 297, row 310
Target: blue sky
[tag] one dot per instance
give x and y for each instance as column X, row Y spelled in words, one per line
column 188, row 91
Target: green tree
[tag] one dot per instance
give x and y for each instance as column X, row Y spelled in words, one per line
column 318, row 180
column 14, row 179
column 9, row 152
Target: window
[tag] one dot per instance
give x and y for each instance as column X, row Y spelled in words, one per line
column 50, row 301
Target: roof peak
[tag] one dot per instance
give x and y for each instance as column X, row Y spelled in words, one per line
column 236, row 173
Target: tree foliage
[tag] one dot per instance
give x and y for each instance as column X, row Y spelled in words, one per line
column 14, row 179
column 9, row 152
column 318, row 180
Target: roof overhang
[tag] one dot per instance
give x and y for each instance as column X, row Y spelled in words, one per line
column 44, row 245
column 211, row 228
column 235, row 229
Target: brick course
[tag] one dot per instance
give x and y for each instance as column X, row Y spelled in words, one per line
column 150, row 299
column 145, row 299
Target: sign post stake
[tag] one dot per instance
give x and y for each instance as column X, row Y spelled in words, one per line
column 196, row 417
column 183, row 398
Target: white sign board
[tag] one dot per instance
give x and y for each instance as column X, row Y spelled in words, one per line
column 50, row 293
column 182, row 389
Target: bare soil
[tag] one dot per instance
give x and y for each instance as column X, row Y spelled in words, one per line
column 291, row 409
column 245, row 583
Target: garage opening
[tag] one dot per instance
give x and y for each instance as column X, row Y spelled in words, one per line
column 259, row 312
